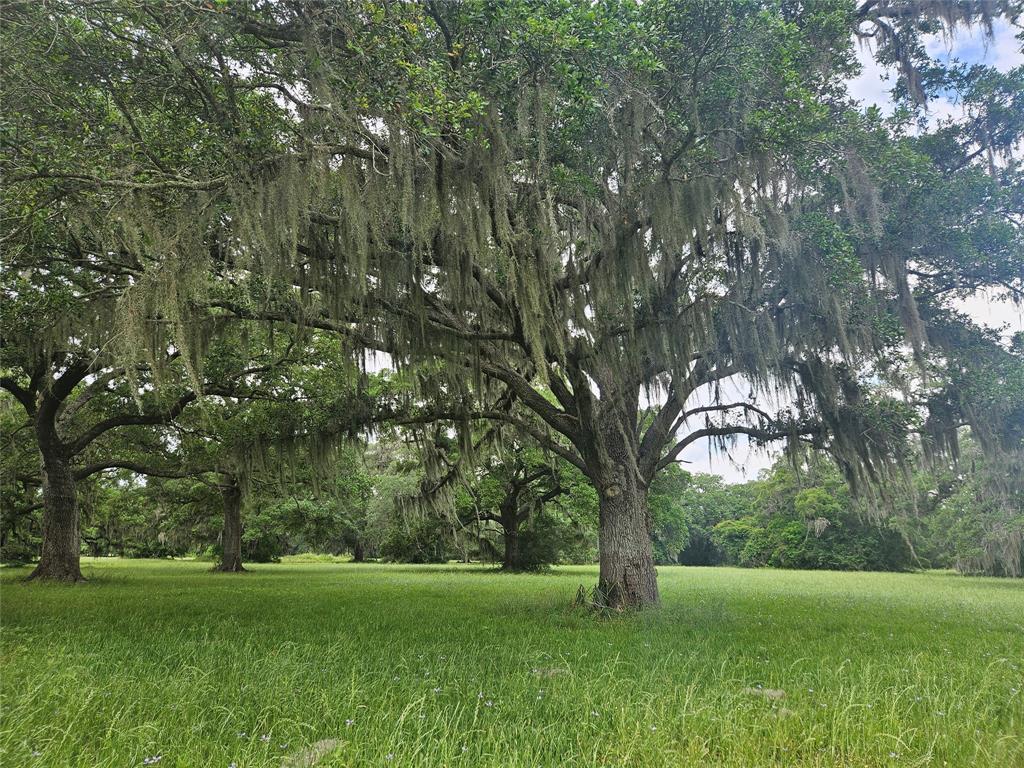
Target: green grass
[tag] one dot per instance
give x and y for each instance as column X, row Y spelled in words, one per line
column 465, row 667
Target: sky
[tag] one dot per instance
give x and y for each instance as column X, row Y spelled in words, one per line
column 743, row 462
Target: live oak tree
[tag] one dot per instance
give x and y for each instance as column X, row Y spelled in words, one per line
column 531, row 496
column 666, row 197
column 276, row 411
column 517, row 490
column 89, row 411
column 75, row 399
column 598, row 214
column 88, row 417
column 84, row 347
column 62, row 345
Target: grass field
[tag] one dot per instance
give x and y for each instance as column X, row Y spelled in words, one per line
column 432, row 666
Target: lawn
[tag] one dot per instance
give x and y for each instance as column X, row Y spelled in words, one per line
column 377, row 665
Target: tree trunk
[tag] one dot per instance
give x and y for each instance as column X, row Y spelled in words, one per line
column 59, row 559
column 627, row 576
column 358, row 552
column 231, row 540
column 510, row 529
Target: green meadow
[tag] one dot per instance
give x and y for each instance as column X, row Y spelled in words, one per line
column 302, row 664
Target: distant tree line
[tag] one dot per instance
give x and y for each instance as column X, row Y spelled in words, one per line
column 524, row 512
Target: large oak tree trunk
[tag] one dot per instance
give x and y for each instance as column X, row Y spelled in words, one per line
column 231, row 540
column 627, row 576
column 510, row 528
column 59, row 559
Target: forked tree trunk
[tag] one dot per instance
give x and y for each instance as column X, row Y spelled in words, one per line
column 231, row 539
column 60, row 556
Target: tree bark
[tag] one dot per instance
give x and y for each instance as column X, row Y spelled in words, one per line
column 627, row 576
column 231, row 540
column 60, row 556
column 510, row 529
column 358, row 552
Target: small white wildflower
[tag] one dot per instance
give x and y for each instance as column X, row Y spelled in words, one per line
column 36, row 753
column 153, row 760
column 284, row 746
column 654, row 728
column 265, row 738
column 594, row 713
column 349, row 723
column 465, row 748
column 437, row 690
column 389, row 756
column 243, row 735
column 488, row 703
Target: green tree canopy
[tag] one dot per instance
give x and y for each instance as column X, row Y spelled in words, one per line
column 622, row 204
